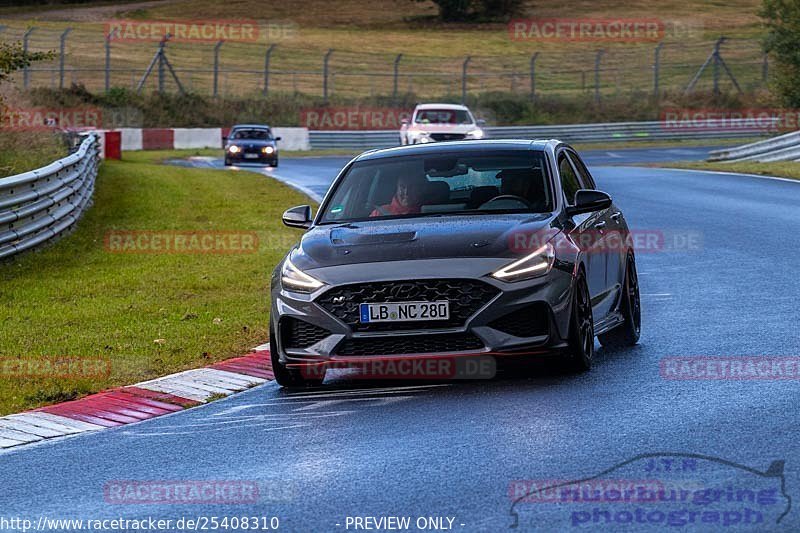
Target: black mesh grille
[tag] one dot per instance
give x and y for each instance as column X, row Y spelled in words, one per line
column 465, row 297
column 410, row 344
column 299, row 334
column 530, row 321
column 447, row 136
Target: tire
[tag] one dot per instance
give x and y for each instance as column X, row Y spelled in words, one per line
column 227, row 162
column 289, row 378
column 274, row 163
column 581, row 328
column 627, row 334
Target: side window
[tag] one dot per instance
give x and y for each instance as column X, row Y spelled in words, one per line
column 569, row 180
column 583, row 174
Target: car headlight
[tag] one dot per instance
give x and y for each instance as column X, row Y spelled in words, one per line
column 475, row 134
column 295, row 279
column 532, row 265
column 234, row 149
column 423, row 137
column 268, row 150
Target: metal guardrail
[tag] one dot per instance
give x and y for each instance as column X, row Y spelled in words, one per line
column 573, row 133
column 781, row 148
column 40, row 205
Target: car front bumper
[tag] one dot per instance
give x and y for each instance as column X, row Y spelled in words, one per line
column 519, row 318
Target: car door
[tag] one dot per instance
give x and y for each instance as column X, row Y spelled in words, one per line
column 608, row 235
column 586, row 234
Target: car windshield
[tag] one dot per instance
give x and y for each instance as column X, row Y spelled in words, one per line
column 443, row 116
column 442, row 184
column 252, row 134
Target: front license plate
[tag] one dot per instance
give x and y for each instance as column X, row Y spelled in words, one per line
column 405, row 311
column 251, row 156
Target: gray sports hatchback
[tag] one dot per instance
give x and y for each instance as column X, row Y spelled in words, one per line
column 487, row 248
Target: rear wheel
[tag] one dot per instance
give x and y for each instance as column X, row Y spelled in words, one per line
column 581, row 328
column 627, row 334
column 291, row 378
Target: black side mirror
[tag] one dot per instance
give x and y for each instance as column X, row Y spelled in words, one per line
column 277, row 138
column 224, row 139
column 589, row 201
column 298, row 217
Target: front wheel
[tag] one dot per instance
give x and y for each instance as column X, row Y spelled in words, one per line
column 581, row 328
column 227, row 162
column 627, row 334
column 290, row 378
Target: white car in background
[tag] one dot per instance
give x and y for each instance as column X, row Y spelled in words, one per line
column 440, row 122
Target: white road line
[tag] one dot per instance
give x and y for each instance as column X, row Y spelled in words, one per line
column 730, row 173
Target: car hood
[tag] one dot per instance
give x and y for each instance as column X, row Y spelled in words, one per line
column 251, row 143
column 460, row 236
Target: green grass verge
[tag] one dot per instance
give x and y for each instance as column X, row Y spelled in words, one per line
column 76, row 299
column 159, row 156
column 781, row 169
column 24, row 151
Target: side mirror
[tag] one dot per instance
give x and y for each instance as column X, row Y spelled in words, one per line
column 480, row 122
column 277, row 138
column 404, row 121
column 589, row 201
column 224, row 139
column 298, row 217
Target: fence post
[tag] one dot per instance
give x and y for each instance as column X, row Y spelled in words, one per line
column 533, row 76
column 715, row 65
column 216, row 67
column 26, row 75
column 108, row 59
column 597, row 75
column 62, row 50
column 267, row 58
column 657, row 70
column 325, row 74
column 464, row 79
column 396, row 73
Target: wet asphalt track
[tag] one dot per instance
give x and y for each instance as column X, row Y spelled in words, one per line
column 455, row 449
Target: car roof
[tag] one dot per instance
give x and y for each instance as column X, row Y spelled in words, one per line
column 441, row 106
column 251, row 126
column 459, row 146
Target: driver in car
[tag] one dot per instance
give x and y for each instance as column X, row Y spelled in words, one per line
column 406, row 200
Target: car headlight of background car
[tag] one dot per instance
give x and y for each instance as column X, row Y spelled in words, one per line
column 532, row 265
column 423, row 137
column 475, row 134
column 294, row 279
column 234, row 149
column 268, row 150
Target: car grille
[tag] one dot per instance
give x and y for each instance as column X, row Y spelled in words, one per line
column 530, row 321
column 447, row 136
column 410, row 344
column 465, row 297
column 299, row 334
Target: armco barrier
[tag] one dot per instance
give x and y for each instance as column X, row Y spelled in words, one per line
column 40, row 205
column 781, row 148
column 574, row 133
